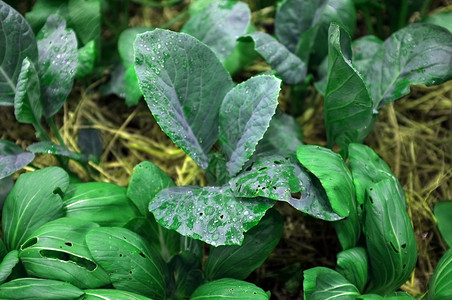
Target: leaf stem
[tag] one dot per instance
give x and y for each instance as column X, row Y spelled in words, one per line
column 368, row 21
column 41, row 134
column 403, row 14
column 56, row 131
column 425, row 8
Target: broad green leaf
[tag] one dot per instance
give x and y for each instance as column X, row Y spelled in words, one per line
column 86, row 58
column 12, row 158
column 242, row 56
column 8, row 263
column 367, row 169
column 389, row 238
column 113, row 294
column 443, row 215
column 57, row 250
column 34, row 288
column 132, row 88
column 439, row 288
column 184, row 84
column 42, row 9
column 197, row 6
column 210, row 214
column 6, row 185
column 27, row 100
column 46, row 147
column 443, row 18
column 281, row 178
column 85, row 18
column 116, row 84
column 336, row 179
column 3, row 250
column 132, row 265
column 245, row 115
column 391, row 296
column 103, row 203
column 219, row 24
column 348, row 106
column 34, row 201
column 353, row 265
column 217, row 172
column 321, row 283
column 239, row 261
column 228, row 288
column 57, row 66
column 364, row 50
column 287, row 65
column 146, row 181
column 17, row 42
column 417, row 54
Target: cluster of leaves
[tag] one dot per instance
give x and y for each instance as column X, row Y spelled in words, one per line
column 67, row 239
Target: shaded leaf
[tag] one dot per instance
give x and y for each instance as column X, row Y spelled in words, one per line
column 443, row 215
column 27, row 100
column 8, row 263
column 353, row 265
column 364, row 50
column 57, row 66
column 34, row 288
column 132, row 265
column 439, row 288
column 6, row 185
column 125, row 44
column 12, row 158
column 42, row 9
column 229, row 289
column 46, row 147
column 34, row 201
column 86, row 58
column 210, row 214
column 321, row 283
column 245, row 115
column 90, row 143
column 15, row 33
column 217, row 172
column 113, row 294
column 57, row 250
column 85, row 18
column 184, row 84
column 287, row 65
column 219, row 24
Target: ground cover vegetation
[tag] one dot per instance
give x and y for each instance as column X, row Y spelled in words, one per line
column 209, row 149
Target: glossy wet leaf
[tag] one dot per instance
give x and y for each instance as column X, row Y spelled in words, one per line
column 8, row 263
column 184, row 84
column 336, row 179
column 103, row 203
column 219, row 25
column 280, row 178
column 86, row 58
column 46, row 147
column 210, row 214
column 239, row 261
column 85, row 19
column 34, row 201
column 217, row 172
column 146, row 181
column 57, row 65
column 27, row 101
column 34, row 288
column 353, row 265
column 364, row 50
column 389, row 238
column 443, row 215
column 245, row 115
column 348, row 106
column 57, row 250
column 439, row 288
column 132, row 265
column 15, row 33
column 228, row 288
column 321, row 283
column 417, row 54
column 111, row 294
column 12, row 158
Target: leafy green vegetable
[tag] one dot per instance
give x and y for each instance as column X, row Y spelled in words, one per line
column 322, row 283
column 8, row 263
column 34, row 288
column 245, row 115
column 57, row 66
column 46, row 147
column 12, row 158
column 132, row 265
column 34, row 201
column 86, row 58
column 42, row 9
column 443, row 18
column 218, row 25
column 6, row 185
column 230, row 289
column 105, row 294
column 389, row 238
column 57, row 250
column 183, row 84
column 84, row 17
column 443, row 214
column 211, row 214
column 353, row 265
column 439, row 288
column 27, row 101
column 239, row 261
column 15, row 33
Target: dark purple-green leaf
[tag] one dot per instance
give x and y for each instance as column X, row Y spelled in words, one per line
column 12, row 158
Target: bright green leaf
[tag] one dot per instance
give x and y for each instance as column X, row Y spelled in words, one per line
column 12, row 158
column 218, row 26
column 389, row 238
column 245, row 115
column 34, row 201
column 42, row 9
column 443, row 214
column 8, row 263
column 131, row 264
column 27, row 100
column 439, row 288
column 211, row 214
column 353, row 265
column 125, row 44
column 17, row 42
column 443, row 18
column 34, row 288
column 113, row 294
column 47, row 147
column 184, row 84
column 321, row 283
column 132, row 88
column 85, row 19
column 86, row 58
column 227, row 288
column 57, row 250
